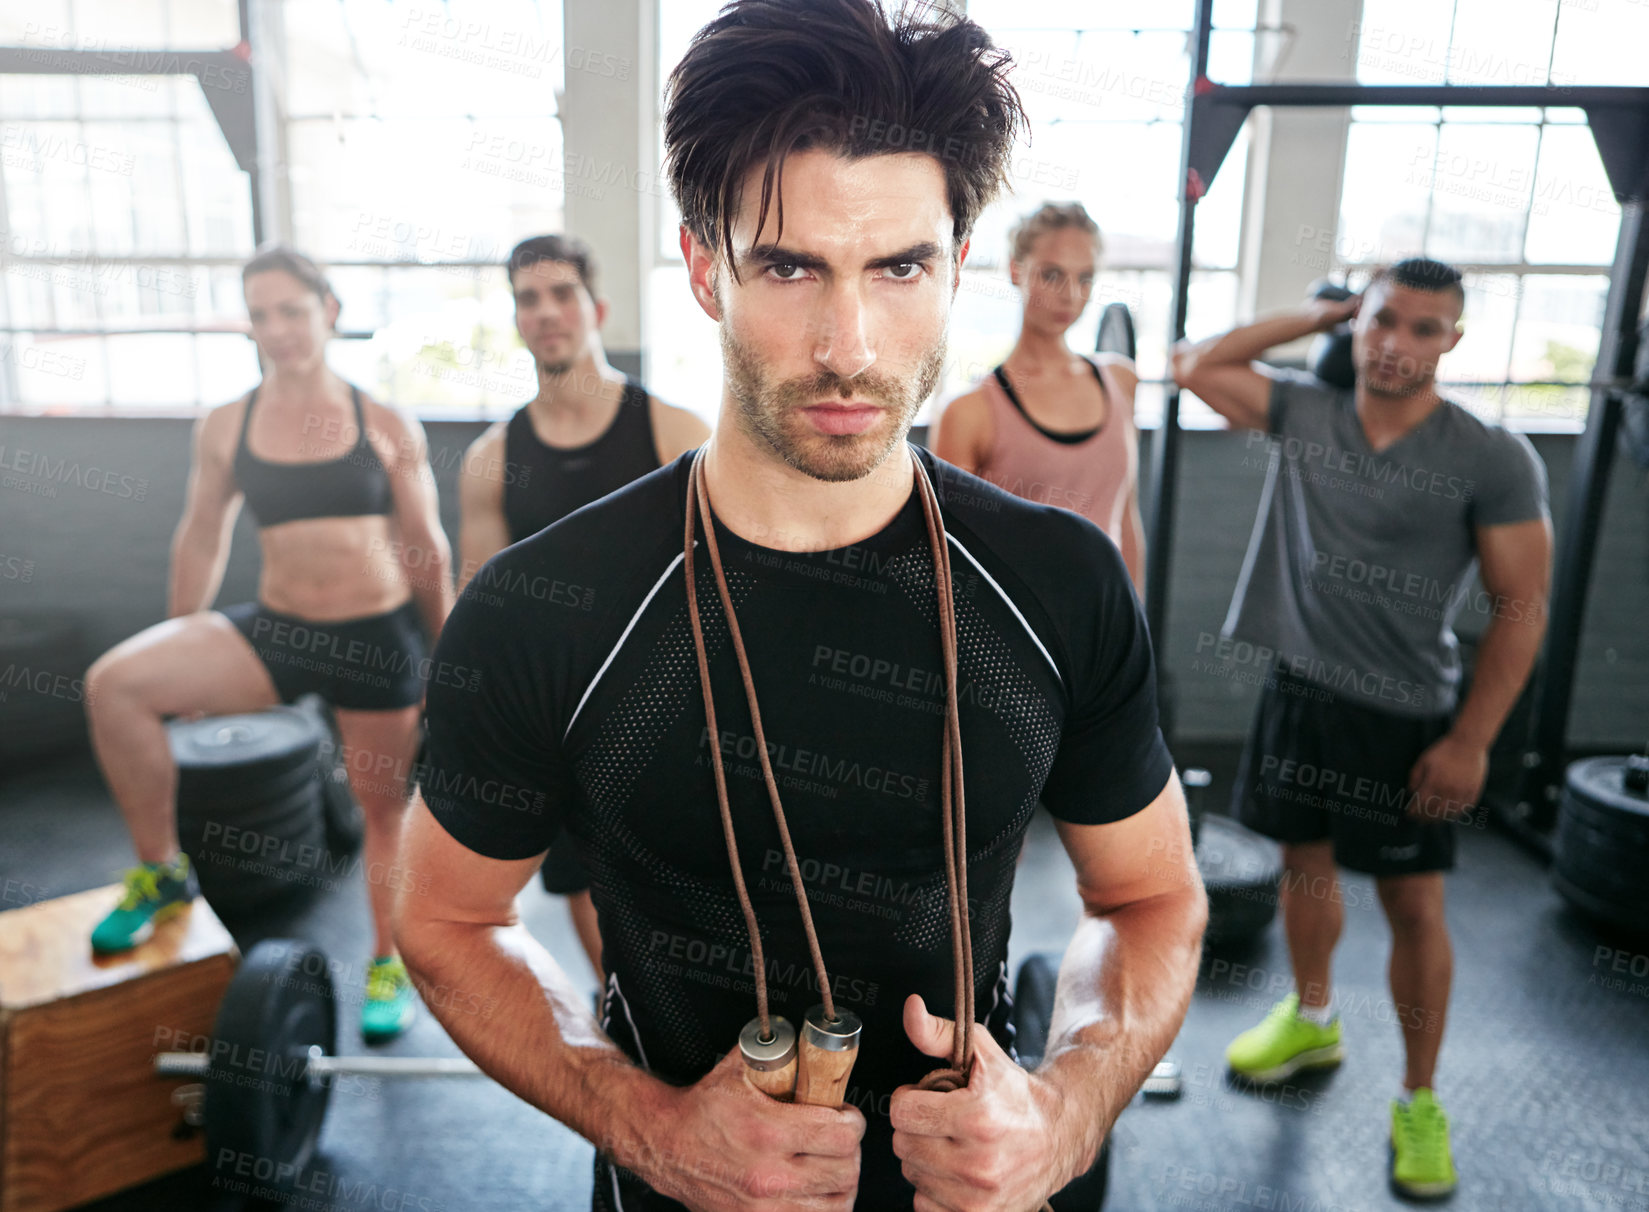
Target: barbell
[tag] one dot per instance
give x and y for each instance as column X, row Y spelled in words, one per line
column 268, row 1071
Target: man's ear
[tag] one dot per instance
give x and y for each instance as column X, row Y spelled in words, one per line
column 601, row 310
column 1016, row 272
column 1458, row 331
column 701, row 269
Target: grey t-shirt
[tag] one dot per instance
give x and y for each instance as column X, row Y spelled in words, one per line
column 1359, row 561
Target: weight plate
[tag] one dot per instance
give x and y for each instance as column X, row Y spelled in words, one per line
column 1240, row 869
column 229, row 752
column 1116, row 330
column 249, row 869
column 1033, row 1006
column 1632, row 918
column 263, row 1112
column 1600, row 782
column 345, row 825
column 256, row 797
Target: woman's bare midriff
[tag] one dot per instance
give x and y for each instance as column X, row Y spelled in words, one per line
column 328, row 569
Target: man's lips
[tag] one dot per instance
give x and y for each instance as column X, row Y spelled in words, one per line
column 847, row 417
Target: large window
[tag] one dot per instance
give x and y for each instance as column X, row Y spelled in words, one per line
column 424, row 143
column 1105, row 95
column 125, row 217
column 1516, row 197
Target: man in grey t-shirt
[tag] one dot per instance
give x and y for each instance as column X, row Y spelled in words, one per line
column 1379, row 505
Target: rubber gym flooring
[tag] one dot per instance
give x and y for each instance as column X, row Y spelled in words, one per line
column 1544, row 1071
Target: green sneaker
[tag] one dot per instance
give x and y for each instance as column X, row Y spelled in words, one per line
column 1284, row 1044
column 388, row 1009
column 154, row 892
column 1421, row 1166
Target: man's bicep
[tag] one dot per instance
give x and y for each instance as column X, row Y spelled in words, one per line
column 1239, row 393
column 1515, row 561
column 1144, row 855
column 447, row 881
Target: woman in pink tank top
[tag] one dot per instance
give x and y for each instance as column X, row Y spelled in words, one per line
column 1051, row 425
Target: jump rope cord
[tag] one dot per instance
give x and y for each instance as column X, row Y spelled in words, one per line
column 952, row 807
column 951, row 801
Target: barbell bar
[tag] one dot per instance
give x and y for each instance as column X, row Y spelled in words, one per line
column 316, row 1063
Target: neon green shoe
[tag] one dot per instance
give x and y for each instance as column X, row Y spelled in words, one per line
column 388, row 1009
column 1421, row 1166
column 1284, row 1044
column 154, row 892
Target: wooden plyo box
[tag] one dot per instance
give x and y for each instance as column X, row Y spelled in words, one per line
column 82, row 1113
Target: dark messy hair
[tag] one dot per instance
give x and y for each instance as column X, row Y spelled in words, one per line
column 769, row 77
column 1422, row 273
column 571, row 249
column 290, row 261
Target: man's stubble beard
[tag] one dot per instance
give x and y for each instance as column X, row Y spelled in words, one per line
column 770, row 412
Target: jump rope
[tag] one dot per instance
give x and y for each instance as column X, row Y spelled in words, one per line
column 815, row 1069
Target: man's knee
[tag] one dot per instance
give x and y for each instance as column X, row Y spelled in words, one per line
column 1413, row 903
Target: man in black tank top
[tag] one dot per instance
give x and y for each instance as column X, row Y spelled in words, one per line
column 590, row 431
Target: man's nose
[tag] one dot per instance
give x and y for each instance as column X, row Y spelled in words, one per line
column 843, row 345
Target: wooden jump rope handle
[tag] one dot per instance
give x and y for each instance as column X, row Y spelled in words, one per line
column 814, row 1072
column 828, row 1050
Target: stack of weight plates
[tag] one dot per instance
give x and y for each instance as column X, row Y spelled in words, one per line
column 1601, row 856
column 252, row 804
column 1241, row 871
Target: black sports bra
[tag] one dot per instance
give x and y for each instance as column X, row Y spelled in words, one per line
column 353, row 484
column 1069, row 439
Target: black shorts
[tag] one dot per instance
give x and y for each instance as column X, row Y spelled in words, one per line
column 563, row 870
column 1319, row 767
column 375, row 663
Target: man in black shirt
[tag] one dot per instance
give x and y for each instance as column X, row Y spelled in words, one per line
column 584, row 706
column 589, row 430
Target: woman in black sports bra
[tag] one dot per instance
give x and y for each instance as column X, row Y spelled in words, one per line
column 355, row 572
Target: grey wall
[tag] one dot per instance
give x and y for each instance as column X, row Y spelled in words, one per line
column 95, row 514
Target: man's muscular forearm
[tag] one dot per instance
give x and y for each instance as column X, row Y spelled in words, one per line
column 511, row 1008
column 1505, row 656
column 1124, row 987
column 1243, row 345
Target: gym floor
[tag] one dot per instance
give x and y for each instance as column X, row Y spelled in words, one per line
column 1544, row 1071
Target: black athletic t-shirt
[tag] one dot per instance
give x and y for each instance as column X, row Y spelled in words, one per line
column 579, row 704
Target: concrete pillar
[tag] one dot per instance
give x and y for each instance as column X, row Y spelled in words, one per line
column 1296, row 157
column 610, row 136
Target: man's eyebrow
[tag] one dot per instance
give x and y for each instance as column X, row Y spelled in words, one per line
column 774, row 254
